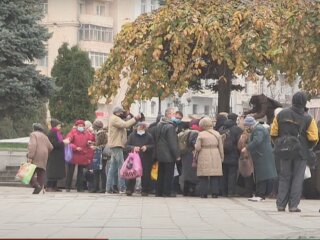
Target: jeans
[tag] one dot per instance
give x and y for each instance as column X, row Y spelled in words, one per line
column 116, row 162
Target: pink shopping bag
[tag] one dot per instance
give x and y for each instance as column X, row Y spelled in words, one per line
column 131, row 167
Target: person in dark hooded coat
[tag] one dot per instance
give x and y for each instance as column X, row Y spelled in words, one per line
column 293, row 121
column 231, row 156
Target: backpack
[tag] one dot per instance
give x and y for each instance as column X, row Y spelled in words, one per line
column 183, row 141
column 227, row 140
column 291, row 145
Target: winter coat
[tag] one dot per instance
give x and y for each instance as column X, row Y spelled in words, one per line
column 81, row 139
column 189, row 173
column 210, row 153
column 136, row 140
column 232, row 157
column 259, row 146
column 38, row 149
column 117, row 131
column 166, row 139
column 56, row 164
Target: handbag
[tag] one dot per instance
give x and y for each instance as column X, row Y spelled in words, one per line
column 68, row 153
column 26, row 172
column 154, row 171
column 132, row 167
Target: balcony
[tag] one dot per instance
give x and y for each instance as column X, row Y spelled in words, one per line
column 103, row 21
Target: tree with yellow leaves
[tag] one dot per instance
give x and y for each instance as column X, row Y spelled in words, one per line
column 170, row 50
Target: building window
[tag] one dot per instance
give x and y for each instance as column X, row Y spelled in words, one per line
column 97, row 59
column 143, row 6
column 206, row 110
column 88, row 32
column 101, row 10
column 43, row 62
column 153, row 5
column 195, row 108
column 82, row 7
column 45, row 6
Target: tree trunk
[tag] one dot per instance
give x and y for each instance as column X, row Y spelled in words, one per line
column 224, row 92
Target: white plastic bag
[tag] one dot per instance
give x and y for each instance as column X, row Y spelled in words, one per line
column 307, row 173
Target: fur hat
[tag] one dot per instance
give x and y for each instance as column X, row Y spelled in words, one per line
column 249, row 121
column 97, row 124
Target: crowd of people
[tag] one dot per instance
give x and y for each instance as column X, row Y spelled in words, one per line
column 229, row 156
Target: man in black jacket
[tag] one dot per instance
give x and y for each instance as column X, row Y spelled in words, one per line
column 231, row 155
column 167, row 152
column 300, row 129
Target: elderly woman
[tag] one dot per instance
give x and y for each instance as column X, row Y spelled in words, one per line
column 259, row 146
column 209, row 148
column 38, row 151
column 141, row 142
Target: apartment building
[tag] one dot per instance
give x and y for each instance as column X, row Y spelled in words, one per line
column 92, row 25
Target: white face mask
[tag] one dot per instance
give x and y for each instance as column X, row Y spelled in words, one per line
column 141, row 132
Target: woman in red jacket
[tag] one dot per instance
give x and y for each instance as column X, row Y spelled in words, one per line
column 81, row 142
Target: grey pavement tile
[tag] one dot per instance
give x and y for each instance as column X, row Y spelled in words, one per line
column 80, row 232
column 204, row 234
column 124, row 223
column 157, row 233
column 119, row 233
column 32, row 232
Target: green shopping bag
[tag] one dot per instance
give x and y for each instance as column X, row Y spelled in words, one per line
column 26, row 172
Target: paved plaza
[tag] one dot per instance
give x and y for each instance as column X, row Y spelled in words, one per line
column 85, row 215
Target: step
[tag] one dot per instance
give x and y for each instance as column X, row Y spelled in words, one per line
column 12, row 184
column 8, row 173
column 8, row 179
column 12, row 168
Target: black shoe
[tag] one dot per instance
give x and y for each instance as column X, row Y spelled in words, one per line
column 93, row 191
column 129, row 193
column 204, row 196
column 281, row 209
column 102, row 191
column 294, row 210
column 214, row 196
column 80, row 190
column 37, row 190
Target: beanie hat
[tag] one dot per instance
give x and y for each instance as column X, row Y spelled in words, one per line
column 118, row 110
column 79, row 122
column 97, row 124
column 87, row 124
column 249, row 121
column 54, row 122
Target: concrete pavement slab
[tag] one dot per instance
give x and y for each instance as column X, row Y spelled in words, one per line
column 80, row 215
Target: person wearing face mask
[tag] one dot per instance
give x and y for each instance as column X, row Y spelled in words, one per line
column 141, row 142
column 117, row 138
column 81, row 142
column 259, row 146
column 167, row 153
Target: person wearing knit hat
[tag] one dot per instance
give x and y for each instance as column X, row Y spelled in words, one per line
column 81, row 142
column 249, row 121
column 56, row 163
column 260, row 149
column 233, row 117
column 289, row 123
column 39, row 148
column 97, row 124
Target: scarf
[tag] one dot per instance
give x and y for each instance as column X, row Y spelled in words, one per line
column 59, row 135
